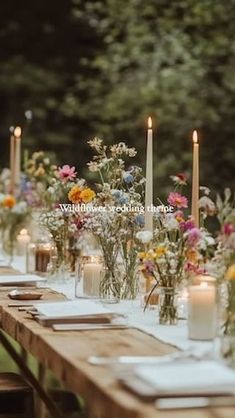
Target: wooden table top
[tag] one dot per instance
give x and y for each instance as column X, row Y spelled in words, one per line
column 65, row 353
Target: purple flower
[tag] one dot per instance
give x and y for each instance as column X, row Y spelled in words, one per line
column 194, row 235
column 149, row 266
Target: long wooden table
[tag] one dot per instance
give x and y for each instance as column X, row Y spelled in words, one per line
column 65, row 353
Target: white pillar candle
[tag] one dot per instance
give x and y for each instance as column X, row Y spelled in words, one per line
column 195, row 180
column 202, row 312
column 91, row 278
column 201, row 278
column 149, row 179
column 23, row 240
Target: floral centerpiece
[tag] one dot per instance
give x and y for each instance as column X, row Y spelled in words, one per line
column 225, row 252
column 175, row 251
column 119, row 216
column 61, row 219
column 228, row 338
column 13, row 216
column 38, row 172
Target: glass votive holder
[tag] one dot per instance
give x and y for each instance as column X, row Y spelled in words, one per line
column 38, row 257
column 88, row 276
column 182, row 304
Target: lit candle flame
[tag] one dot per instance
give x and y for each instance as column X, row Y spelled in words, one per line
column 17, row 132
column 150, row 123
column 195, row 137
column 23, row 232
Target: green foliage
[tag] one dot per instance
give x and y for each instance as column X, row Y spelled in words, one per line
column 99, row 67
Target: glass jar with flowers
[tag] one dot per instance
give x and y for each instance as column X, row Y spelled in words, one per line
column 172, row 253
column 228, row 340
column 117, row 217
column 14, row 215
column 63, row 198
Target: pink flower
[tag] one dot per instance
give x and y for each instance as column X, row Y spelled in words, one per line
column 194, row 235
column 187, row 225
column 192, row 268
column 67, row 173
column 177, row 200
column 228, row 229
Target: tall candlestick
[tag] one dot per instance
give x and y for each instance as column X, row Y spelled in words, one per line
column 195, row 180
column 17, row 134
column 202, row 312
column 149, row 179
column 12, row 161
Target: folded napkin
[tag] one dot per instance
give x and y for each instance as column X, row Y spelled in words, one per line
column 19, row 279
column 71, row 308
column 188, row 378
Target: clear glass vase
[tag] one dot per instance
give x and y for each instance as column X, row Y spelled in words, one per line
column 110, row 285
column 168, row 306
column 59, row 268
column 8, row 245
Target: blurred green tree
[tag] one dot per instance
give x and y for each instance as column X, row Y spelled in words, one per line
column 99, row 67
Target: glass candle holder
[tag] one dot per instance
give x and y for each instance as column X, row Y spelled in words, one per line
column 38, row 257
column 88, row 276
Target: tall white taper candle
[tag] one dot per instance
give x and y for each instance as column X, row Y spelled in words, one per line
column 149, row 179
column 195, row 180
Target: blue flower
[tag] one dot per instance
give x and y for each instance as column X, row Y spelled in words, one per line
column 123, row 198
column 127, row 177
column 139, row 220
column 116, row 193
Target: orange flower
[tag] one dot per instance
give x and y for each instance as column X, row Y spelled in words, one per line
column 74, row 194
column 9, row 201
column 192, row 255
column 230, row 275
column 87, row 195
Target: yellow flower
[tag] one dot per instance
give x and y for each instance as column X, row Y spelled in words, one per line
column 9, row 201
column 179, row 218
column 142, row 255
column 159, row 251
column 87, row 195
column 39, row 172
column 74, row 194
column 230, row 275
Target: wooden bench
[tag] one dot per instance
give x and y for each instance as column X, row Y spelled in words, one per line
column 16, row 396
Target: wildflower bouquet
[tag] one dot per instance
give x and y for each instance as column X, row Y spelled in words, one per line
column 38, row 172
column 225, row 253
column 176, row 250
column 13, row 214
column 61, row 220
column 119, row 215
